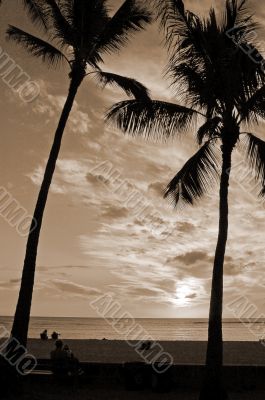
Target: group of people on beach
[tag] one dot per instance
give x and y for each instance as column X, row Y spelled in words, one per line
column 44, row 335
column 61, row 351
column 63, row 360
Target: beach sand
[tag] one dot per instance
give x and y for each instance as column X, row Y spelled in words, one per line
column 183, row 352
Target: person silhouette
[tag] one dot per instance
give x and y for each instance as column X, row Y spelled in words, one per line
column 68, row 351
column 73, row 362
column 55, row 335
column 44, row 335
column 60, row 360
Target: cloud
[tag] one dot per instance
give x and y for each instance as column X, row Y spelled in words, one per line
column 111, row 212
column 157, row 188
column 11, row 284
column 72, row 288
column 70, row 176
column 61, row 267
column 190, row 257
column 51, row 106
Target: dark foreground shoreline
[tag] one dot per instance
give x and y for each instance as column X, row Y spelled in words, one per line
column 106, row 392
column 113, row 370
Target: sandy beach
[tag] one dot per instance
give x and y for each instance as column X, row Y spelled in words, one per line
column 183, row 352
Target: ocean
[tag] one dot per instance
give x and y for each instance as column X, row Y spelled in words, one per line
column 157, row 329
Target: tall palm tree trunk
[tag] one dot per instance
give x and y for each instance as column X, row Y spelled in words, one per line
column 22, row 314
column 213, row 386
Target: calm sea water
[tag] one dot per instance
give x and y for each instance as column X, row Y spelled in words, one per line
column 158, row 329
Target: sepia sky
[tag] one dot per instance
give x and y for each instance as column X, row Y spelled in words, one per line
column 95, row 239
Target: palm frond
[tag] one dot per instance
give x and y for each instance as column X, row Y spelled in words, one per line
column 254, row 106
column 246, row 60
column 238, row 21
column 130, row 18
column 151, row 119
column 88, row 17
column 35, row 46
column 210, row 69
column 172, row 16
column 255, row 153
column 130, row 86
column 63, row 31
column 196, row 177
column 190, row 83
column 37, row 12
column 209, row 129
column 184, row 32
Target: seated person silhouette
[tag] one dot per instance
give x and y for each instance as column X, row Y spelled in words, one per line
column 55, row 335
column 44, row 335
column 69, row 352
column 74, row 366
column 60, row 360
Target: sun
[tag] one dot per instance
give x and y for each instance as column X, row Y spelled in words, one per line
column 184, row 294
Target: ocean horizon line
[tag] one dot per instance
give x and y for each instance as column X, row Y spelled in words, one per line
column 195, row 319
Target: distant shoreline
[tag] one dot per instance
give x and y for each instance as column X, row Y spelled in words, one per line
column 167, row 329
column 194, row 320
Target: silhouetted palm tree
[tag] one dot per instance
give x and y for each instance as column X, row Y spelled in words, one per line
column 222, row 88
column 79, row 32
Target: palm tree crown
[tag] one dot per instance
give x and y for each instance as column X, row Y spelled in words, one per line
column 81, row 32
column 217, row 82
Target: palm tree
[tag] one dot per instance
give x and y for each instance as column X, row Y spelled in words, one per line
column 84, row 30
column 222, row 89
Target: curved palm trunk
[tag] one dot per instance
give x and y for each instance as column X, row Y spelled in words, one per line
column 22, row 314
column 213, row 386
